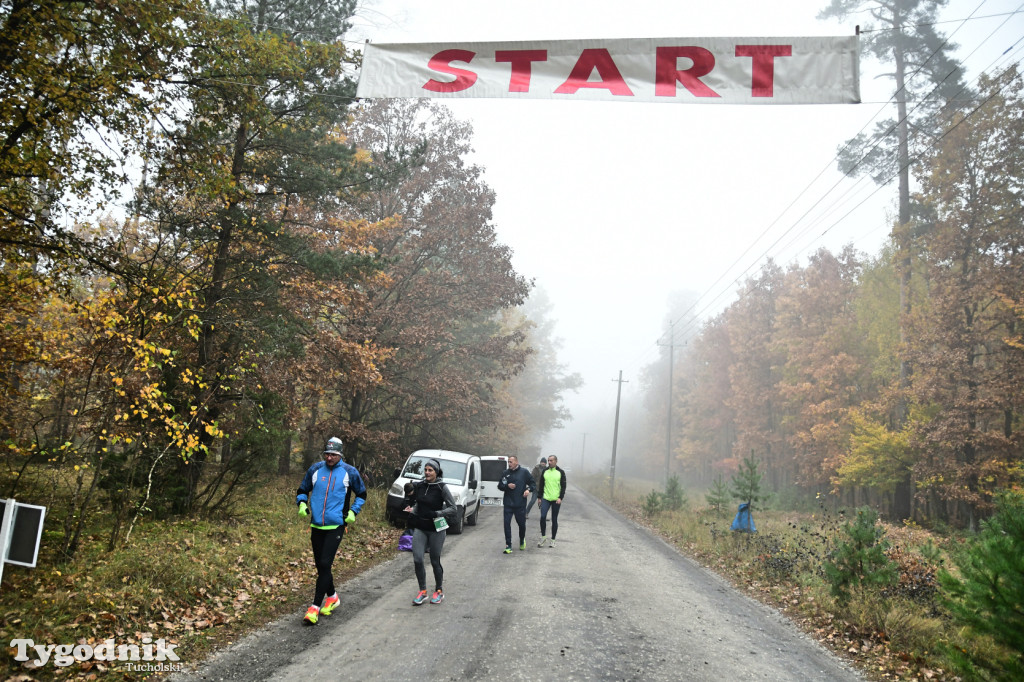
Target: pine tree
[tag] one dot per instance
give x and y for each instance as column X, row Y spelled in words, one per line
column 987, row 596
column 746, row 483
column 719, row 495
column 674, row 497
column 652, row 503
column 861, row 560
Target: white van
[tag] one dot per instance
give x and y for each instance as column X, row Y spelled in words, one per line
column 492, row 467
column 461, row 475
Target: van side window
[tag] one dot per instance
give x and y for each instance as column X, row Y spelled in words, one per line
column 493, row 468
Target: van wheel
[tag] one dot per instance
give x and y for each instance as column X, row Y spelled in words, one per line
column 460, row 514
column 471, row 519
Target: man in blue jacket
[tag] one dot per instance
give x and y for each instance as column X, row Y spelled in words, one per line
column 325, row 495
column 517, row 483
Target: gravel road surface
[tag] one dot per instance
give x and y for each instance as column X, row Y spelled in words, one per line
column 609, row 602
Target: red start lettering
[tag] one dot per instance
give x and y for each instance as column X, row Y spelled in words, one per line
column 764, row 65
column 667, row 74
column 442, row 61
column 590, row 60
column 521, row 61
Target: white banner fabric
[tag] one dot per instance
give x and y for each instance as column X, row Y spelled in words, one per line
column 807, row 70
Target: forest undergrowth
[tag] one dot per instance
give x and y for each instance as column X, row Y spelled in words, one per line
column 199, row 584
column 895, row 631
column 203, row 584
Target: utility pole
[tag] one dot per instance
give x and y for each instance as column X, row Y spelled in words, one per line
column 615, row 437
column 583, row 453
column 668, row 427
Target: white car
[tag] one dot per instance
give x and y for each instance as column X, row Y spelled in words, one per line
column 461, row 475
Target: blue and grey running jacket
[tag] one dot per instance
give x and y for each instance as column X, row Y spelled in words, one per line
column 326, row 490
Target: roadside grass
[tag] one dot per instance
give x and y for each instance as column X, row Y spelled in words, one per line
column 196, row 583
column 893, row 634
column 203, row 583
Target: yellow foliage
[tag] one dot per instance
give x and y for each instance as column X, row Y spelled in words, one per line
column 877, row 457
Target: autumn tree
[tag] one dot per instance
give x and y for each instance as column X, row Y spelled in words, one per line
column 449, row 280
column 537, row 392
column 79, row 85
column 97, row 396
column 260, row 158
column 812, row 356
column 816, row 333
column 24, row 294
column 877, row 458
column 878, row 461
column 973, row 255
column 927, row 82
column 877, row 307
column 709, row 428
column 321, row 360
column 753, row 375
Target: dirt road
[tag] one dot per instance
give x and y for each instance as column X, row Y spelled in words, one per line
column 610, row 602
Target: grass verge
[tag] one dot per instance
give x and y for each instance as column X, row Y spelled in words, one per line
column 197, row 584
column 202, row 584
column 896, row 634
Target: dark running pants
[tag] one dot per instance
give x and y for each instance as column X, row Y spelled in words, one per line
column 533, row 501
column 325, row 546
column 544, row 506
column 421, row 539
column 520, row 514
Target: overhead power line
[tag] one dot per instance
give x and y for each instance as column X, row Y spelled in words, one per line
column 945, row 21
column 735, row 279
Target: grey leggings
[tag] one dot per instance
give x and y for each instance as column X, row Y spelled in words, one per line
column 420, row 540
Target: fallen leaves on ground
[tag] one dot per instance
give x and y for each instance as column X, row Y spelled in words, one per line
column 219, row 604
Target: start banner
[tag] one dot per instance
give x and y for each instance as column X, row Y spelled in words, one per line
column 807, row 70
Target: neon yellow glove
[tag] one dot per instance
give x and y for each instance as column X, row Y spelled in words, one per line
column 350, row 517
column 303, row 509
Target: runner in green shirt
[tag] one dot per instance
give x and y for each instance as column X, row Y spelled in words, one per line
column 552, row 490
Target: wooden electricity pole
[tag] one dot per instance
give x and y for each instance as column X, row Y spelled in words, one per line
column 615, row 436
column 668, row 426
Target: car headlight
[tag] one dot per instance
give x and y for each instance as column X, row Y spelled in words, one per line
column 397, row 489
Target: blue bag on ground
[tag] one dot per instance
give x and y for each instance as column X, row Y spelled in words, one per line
column 744, row 522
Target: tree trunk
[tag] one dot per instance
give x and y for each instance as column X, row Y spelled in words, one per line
column 903, row 492
column 307, row 453
column 284, row 458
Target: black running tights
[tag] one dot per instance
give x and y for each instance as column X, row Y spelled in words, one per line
column 325, row 546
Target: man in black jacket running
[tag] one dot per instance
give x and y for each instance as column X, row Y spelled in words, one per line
column 517, row 483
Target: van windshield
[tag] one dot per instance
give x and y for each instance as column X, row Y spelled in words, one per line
column 453, row 472
column 492, row 469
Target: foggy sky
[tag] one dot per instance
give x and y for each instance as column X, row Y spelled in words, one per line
column 616, row 208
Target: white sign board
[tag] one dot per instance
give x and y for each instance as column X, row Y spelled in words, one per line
column 20, row 532
column 807, row 70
